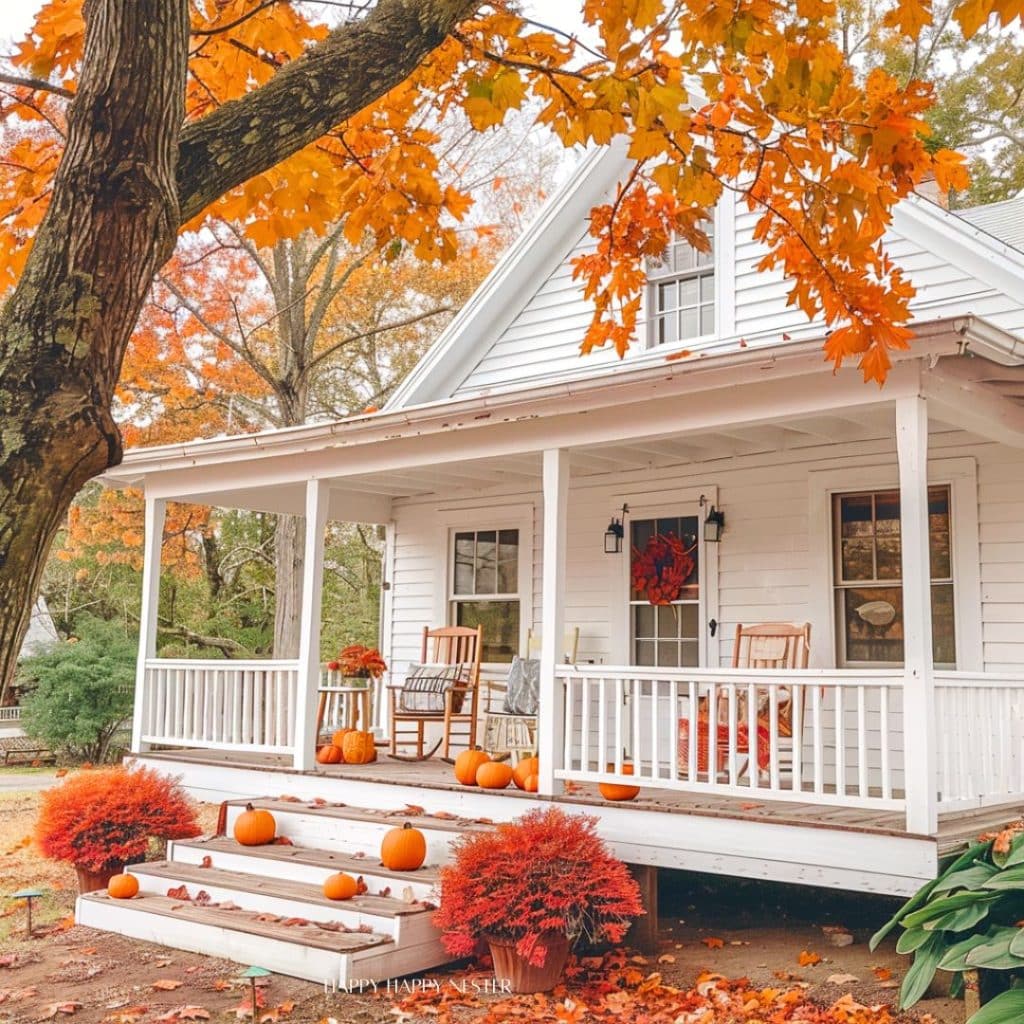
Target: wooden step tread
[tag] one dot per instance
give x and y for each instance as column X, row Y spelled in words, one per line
column 366, row 814
column 249, row 922
column 332, row 859
column 196, row 878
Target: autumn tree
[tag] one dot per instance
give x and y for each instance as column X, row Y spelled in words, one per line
column 142, row 117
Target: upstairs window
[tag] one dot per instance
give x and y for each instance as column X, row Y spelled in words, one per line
column 681, row 292
column 485, row 588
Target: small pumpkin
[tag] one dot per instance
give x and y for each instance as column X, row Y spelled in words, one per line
column 255, row 827
column 329, row 753
column 338, row 739
column 358, row 747
column 616, row 791
column 403, row 849
column 531, row 783
column 467, row 763
column 527, row 767
column 494, row 775
column 340, row 886
column 123, row 887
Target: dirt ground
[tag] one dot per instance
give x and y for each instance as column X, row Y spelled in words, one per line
column 772, row 934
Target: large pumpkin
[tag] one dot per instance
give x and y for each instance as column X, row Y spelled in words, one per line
column 340, row 886
column 329, row 754
column 338, row 739
column 615, row 791
column 527, row 767
column 358, row 747
column 123, row 887
column 403, row 849
column 467, row 763
column 531, row 783
column 255, row 828
column 494, row 775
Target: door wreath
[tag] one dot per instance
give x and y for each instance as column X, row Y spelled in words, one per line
column 661, row 569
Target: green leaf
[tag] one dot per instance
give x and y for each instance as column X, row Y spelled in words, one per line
column 1008, row 878
column 995, row 953
column 1006, row 1008
column 942, row 906
column 1017, row 943
column 972, row 853
column 922, row 970
column 1016, row 855
column 955, row 958
column 959, row 920
column 970, row 878
column 911, row 939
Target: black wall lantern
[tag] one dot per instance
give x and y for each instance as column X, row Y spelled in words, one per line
column 714, row 522
column 614, row 534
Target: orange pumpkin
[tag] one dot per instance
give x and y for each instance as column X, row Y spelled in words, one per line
column 531, row 783
column 329, row 753
column 123, row 887
column 467, row 763
column 527, row 767
column 403, row 849
column 338, row 739
column 358, row 747
column 255, row 828
column 615, row 791
column 494, row 775
column 340, row 886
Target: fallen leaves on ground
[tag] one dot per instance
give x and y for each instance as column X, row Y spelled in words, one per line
column 166, row 984
column 713, row 943
column 609, row 988
column 808, row 959
column 53, row 1009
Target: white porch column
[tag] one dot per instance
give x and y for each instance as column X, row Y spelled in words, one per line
column 309, row 636
column 550, row 725
column 156, row 509
column 918, row 685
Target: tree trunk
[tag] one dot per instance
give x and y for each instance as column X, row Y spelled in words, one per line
column 289, row 537
column 112, row 221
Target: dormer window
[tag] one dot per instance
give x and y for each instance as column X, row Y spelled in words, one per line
column 682, row 292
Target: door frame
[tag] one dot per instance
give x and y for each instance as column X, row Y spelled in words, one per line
column 652, row 505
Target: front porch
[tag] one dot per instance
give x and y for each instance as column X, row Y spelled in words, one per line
column 885, row 769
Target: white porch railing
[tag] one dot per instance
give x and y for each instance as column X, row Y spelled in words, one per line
column 220, row 705
column 980, row 738
column 10, row 714
column 845, row 745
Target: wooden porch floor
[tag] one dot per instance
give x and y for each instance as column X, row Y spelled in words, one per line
column 956, row 829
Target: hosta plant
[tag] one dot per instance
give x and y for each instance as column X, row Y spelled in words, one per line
column 545, row 874
column 971, row 918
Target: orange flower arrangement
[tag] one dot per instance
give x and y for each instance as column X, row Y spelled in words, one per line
column 359, row 662
column 662, row 568
column 106, row 817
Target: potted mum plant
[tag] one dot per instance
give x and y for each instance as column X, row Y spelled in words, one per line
column 358, row 664
column 531, row 889
column 102, row 819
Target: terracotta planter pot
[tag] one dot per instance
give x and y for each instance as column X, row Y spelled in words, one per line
column 524, row 977
column 90, row 881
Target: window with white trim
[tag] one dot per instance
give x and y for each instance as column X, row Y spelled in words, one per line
column 868, row 577
column 681, row 292
column 485, row 588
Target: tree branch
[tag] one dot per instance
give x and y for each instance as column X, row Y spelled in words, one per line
column 35, row 83
column 355, row 65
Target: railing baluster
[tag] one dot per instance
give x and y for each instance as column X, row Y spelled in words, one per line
column 712, row 726
column 692, row 726
column 840, row 743
column 883, row 730
column 569, row 725
column 655, row 769
column 753, row 739
column 635, row 691
column 602, row 724
column 798, row 695
column 862, row 744
column 620, row 742
column 817, row 741
column 773, row 737
column 733, row 713
column 673, row 736
column 585, row 725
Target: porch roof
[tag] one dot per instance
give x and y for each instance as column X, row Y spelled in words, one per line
column 673, row 411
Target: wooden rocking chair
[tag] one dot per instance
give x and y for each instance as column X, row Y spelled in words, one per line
column 448, row 645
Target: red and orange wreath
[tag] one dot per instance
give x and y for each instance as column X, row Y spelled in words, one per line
column 661, row 569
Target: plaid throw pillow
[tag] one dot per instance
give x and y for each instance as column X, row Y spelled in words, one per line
column 425, row 687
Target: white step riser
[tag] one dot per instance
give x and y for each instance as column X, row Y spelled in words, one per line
column 319, row 965
column 348, row 836
column 415, row 928
column 296, row 871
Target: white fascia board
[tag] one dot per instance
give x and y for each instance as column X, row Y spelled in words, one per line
column 527, row 264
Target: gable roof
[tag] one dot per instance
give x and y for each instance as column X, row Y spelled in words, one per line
column 964, row 267
column 1003, row 220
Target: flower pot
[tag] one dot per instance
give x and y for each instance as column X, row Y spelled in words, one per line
column 90, row 881
column 523, row 976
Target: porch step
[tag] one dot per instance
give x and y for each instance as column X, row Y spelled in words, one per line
column 354, row 829
column 396, row 918
column 305, row 864
column 248, row 937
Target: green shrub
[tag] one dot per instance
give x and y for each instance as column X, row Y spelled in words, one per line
column 968, row 919
column 79, row 693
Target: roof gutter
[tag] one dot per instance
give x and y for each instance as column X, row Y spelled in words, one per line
column 982, row 338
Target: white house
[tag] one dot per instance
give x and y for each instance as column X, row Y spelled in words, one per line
column 889, row 519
